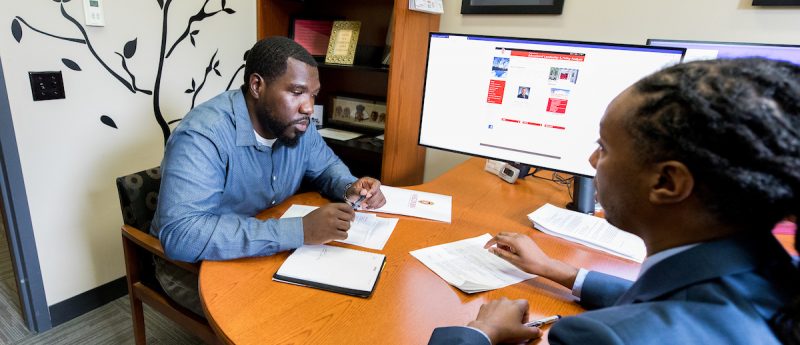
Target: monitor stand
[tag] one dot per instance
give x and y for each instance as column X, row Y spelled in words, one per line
column 582, row 195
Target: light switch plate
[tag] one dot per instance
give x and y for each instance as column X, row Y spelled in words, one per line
column 93, row 9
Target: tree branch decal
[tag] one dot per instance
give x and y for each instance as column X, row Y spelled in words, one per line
column 233, row 77
column 213, row 65
column 202, row 14
column 128, row 79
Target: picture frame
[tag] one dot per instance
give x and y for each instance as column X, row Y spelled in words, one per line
column 358, row 112
column 776, row 2
column 313, row 34
column 343, row 42
column 512, row 6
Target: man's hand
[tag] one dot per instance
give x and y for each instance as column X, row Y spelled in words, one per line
column 327, row 223
column 370, row 189
column 503, row 321
column 521, row 251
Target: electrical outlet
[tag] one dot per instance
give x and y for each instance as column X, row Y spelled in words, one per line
column 46, row 85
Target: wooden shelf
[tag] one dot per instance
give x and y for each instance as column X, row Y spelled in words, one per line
column 400, row 161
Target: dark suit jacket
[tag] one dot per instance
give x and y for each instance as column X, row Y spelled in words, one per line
column 720, row 292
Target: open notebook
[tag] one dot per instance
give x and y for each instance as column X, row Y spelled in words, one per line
column 337, row 269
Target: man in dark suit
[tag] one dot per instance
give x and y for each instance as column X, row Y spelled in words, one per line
column 700, row 160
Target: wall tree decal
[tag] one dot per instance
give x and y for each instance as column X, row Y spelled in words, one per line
column 129, row 50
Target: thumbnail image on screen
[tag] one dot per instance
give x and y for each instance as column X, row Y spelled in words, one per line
column 531, row 101
column 703, row 50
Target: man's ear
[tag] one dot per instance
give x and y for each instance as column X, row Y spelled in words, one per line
column 254, row 85
column 673, row 183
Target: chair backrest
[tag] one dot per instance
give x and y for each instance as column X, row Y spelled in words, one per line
column 138, row 197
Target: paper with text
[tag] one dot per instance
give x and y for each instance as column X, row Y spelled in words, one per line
column 468, row 266
column 366, row 230
column 338, row 134
column 416, row 204
column 588, row 230
column 334, row 266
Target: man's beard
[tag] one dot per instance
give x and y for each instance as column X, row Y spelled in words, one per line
column 265, row 116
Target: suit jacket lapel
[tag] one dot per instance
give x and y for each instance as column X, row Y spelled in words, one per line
column 706, row 261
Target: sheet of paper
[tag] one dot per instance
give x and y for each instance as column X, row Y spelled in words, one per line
column 342, row 267
column 338, row 134
column 467, row 266
column 416, row 204
column 366, row 230
column 588, row 230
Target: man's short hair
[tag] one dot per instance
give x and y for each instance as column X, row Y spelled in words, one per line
column 269, row 57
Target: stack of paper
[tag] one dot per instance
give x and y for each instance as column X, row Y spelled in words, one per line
column 336, row 269
column 468, row 266
column 366, row 230
column 416, row 204
column 588, row 230
column 338, row 134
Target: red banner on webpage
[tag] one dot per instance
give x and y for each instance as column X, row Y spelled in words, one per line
column 549, row 55
column 496, row 89
column 557, row 105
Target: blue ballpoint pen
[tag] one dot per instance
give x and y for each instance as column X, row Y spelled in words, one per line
column 542, row 322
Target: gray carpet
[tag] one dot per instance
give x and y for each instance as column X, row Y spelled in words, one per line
column 109, row 324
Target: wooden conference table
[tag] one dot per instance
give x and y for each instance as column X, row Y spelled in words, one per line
column 245, row 306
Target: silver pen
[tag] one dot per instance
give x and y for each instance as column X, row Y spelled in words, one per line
column 541, row 322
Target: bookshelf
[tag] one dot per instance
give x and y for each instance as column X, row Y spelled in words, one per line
column 399, row 161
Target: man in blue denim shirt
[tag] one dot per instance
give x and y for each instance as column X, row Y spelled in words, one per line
column 242, row 152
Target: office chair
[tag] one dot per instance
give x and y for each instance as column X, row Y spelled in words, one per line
column 138, row 195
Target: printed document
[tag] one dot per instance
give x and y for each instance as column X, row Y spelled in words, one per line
column 588, row 230
column 337, row 269
column 366, row 230
column 468, row 266
column 416, row 204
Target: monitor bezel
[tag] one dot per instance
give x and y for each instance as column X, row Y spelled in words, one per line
column 522, row 40
column 751, row 44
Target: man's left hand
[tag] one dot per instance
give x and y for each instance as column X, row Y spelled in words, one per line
column 370, row 189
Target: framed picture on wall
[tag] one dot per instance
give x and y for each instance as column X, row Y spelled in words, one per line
column 776, row 2
column 512, row 6
column 358, row 112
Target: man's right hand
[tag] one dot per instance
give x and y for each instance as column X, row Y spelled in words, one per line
column 502, row 321
column 327, row 223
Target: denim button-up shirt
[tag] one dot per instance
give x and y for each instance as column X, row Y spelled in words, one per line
column 216, row 177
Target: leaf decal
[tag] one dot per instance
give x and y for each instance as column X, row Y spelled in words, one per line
column 229, row 11
column 188, row 91
column 65, row 1
column 223, row 3
column 216, row 64
column 217, row 72
column 193, row 84
column 16, row 30
column 108, row 121
column 195, row 32
column 160, row 4
column 191, row 39
column 71, row 64
column 130, row 48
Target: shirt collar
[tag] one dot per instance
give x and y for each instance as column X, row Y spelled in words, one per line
column 651, row 260
column 244, row 126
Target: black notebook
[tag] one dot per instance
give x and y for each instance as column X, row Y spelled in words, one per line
column 342, row 270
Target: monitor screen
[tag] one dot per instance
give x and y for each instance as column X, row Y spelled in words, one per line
column 531, row 101
column 698, row 50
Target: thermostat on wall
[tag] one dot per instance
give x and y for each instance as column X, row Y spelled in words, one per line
column 93, row 9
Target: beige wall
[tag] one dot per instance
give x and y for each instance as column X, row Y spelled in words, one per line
column 626, row 21
column 69, row 158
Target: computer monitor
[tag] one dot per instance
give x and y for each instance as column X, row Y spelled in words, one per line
column 702, row 50
column 531, row 101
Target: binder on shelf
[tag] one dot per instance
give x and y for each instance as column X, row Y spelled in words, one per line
column 336, row 269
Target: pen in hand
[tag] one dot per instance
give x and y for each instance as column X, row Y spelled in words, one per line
column 357, row 204
column 541, row 322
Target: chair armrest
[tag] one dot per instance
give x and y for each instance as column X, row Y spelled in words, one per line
column 153, row 245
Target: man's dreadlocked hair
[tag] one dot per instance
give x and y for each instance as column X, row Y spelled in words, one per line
column 736, row 125
column 269, row 56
